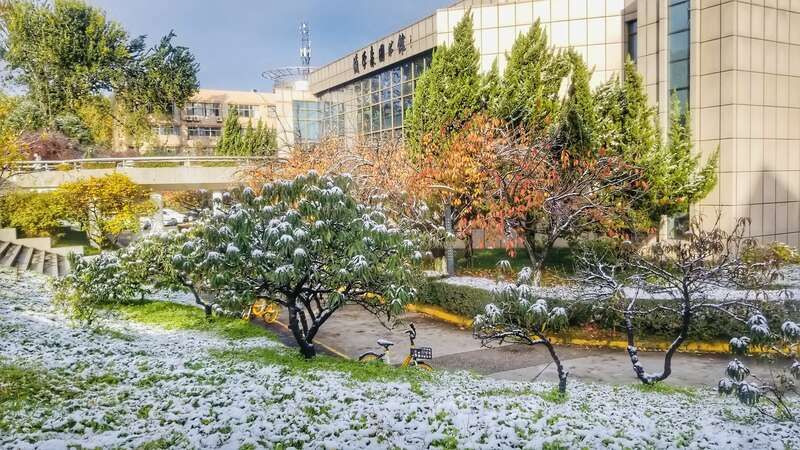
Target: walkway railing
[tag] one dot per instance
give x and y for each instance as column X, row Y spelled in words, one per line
column 141, row 161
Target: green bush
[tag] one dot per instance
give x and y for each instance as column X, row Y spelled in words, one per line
column 775, row 251
column 468, row 301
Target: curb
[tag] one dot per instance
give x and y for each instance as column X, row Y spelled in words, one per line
column 718, row 347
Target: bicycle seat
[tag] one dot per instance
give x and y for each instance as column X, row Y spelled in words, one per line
column 385, row 344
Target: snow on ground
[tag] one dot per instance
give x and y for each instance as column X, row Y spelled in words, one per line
column 172, row 389
column 789, row 288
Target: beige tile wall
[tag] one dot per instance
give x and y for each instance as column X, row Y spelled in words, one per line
column 594, row 28
column 746, row 99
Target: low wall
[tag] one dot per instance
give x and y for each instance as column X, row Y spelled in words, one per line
column 155, row 178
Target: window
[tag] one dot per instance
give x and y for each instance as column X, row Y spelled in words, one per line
column 633, row 39
column 244, row 110
column 202, row 109
column 166, row 130
column 204, row 132
column 679, row 54
column 306, row 120
column 373, row 106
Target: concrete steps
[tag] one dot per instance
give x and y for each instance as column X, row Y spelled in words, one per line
column 23, row 257
column 34, row 254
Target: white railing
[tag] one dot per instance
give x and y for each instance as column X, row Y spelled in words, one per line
column 140, row 161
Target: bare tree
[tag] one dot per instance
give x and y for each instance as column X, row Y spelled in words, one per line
column 517, row 317
column 682, row 279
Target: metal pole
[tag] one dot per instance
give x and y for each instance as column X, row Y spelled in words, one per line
column 449, row 252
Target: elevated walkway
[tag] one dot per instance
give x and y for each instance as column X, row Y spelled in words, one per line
column 156, row 173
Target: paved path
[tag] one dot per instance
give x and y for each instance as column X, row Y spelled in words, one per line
column 352, row 331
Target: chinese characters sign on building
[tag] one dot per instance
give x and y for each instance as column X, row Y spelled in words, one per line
column 385, row 51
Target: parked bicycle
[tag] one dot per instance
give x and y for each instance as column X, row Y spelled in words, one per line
column 264, row 309
column 415, row 354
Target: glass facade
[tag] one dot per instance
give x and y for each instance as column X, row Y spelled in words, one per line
column 373, row 106
column 632, row 29
column 306, row 120
column 679, row 39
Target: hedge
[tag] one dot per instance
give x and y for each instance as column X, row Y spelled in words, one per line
column 707, row 325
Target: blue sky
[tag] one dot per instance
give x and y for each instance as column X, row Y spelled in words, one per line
column 235, row 40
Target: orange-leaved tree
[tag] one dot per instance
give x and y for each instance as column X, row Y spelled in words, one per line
column 453, row 172
column 541, row 192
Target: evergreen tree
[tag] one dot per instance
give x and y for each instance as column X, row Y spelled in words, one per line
column 531, row 82
column 578, row 114
column 449, row 93
column 490, row 88
column 672, row 177
column 682, row 180
column 230, row 142
column 640, row 137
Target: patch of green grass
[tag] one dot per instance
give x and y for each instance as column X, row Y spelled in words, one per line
column 115, row 334
column 108, row 378
column 173, row 316
column 559, row 262
column 507, row 392
column 296, row 364
column 166, row 442
column 553, row 396
column 667, row 389
column 22, row 385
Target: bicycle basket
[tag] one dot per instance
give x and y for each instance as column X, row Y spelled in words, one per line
column 422, row 353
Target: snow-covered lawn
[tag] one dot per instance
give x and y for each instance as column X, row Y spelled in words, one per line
column 140, row 385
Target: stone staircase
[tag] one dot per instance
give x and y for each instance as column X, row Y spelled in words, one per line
column 34, row 254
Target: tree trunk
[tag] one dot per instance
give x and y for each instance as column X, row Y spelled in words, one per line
column 633, row 351
column 562, row 374
column 468, row 250
column 199, row 300
column 306, row 348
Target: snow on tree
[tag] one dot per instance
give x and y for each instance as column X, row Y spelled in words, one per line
column 680, row 278
column 93, row 285
column 774, row 391
column 308, row 245
column 516, row 316
column 157, row 262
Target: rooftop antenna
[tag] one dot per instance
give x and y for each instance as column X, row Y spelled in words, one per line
column 286, row 76
column 305, row 45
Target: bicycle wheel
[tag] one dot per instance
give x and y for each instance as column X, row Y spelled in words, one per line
column 259, row 308
column 369, row 357
column 271, row 313
column 423, row 366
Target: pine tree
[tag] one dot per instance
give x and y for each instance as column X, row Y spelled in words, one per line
column 681, row 180
column 490, row 88
column 639, row 121
column 449, row 93
column 578, row 114
column 230, row 141
column 531, row 82
column 672, row 177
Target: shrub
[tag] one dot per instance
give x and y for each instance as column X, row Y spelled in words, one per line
column 104, row 207
column 775, row 251
column 707, row 326
column 95, row 285
column 33, row 214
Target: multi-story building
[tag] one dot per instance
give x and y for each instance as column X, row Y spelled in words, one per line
column 734, row 63
column 292, row 111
